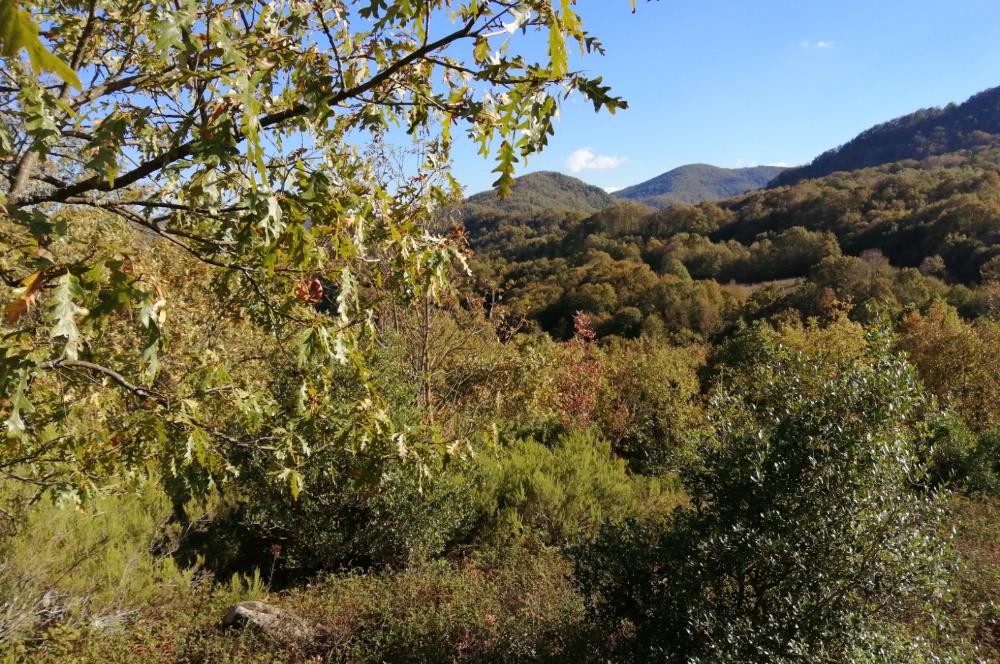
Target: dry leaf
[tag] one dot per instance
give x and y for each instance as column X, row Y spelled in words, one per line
column 23, row 303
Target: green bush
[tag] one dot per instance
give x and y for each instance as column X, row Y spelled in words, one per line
column 562, row 493
column 345, row 520
column 984, row 470
column 964, row 459
column 93, row 565
column 650, row 408
column 804, row 533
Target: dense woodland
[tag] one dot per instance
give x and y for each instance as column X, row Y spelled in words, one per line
column 535, row 425
column 698, row 183
column 924, row 133
column 900, row 236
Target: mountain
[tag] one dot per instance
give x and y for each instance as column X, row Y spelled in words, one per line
column 541, row 204
column 925, row 133
column 542, row 190
column 698, row 183
column 900, row 235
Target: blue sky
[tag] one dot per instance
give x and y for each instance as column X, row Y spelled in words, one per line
column 745, row 82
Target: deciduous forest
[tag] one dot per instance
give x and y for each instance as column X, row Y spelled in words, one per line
column 272, row 390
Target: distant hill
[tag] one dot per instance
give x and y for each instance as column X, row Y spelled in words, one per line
column 698, row 183
column 901, row 234
column 541, row 204
column 925, row 133
column 543, row 190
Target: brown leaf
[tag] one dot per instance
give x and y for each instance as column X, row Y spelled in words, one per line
column 23, row 303
column 309, row 290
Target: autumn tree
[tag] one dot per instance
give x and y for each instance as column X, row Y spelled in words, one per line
column 251, row 138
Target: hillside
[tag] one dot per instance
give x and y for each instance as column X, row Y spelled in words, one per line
column 542, row 205
column 919, row 135
column 543, row 190
column 697, row 183
column 901, row 234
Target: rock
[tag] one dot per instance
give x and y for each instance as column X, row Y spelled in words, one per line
column 276, row 623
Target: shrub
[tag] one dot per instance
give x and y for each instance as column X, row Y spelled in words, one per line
column 523, row 607
column 93, row 565
column 562, row 493
column 346, row 520
column 804, row 532
column 650, row 404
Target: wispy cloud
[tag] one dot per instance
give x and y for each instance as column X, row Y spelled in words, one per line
column 754, row 164
column 586, row 159
column 611, row 190
column 820, row 43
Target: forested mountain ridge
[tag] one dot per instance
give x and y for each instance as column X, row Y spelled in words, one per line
column 904, row 233
column 698, row 183
column 924, row 133
column 542, row 190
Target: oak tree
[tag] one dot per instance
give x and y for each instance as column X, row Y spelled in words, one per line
column 248, row 142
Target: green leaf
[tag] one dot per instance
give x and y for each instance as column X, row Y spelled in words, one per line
column 17, row 31
column 294, row 479
column 107, row 145
column 65, row 312
column 19, row 404
column 557, row 51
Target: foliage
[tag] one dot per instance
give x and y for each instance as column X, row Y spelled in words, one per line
column 95, row 567
column 524, row 608
column 900, row 236
column 537, row 192
column 957, row 361
column 804, row 532
column 255, row 139
column 977, row 537
column 18, row 31
column 849, row 238
column 234, row 363
column 348, row 520
column 561, row 494
column 650, row 403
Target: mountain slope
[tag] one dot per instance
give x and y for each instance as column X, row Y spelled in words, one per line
column 542, row 190
column 541, row 205
column 919, row 135
column 901, row 235
column 697, row 183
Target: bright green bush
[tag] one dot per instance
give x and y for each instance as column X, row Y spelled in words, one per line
column 563, row 493
column 94, row 565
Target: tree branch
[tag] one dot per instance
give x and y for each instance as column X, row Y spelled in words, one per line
column 178, row 152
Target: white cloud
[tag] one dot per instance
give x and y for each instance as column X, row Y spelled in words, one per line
column 821, row 43
column 754, row 164
column 586, row 159
column 824, row 44
column 611, row 190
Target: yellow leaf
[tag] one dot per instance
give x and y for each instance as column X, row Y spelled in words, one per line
column 18, row 31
